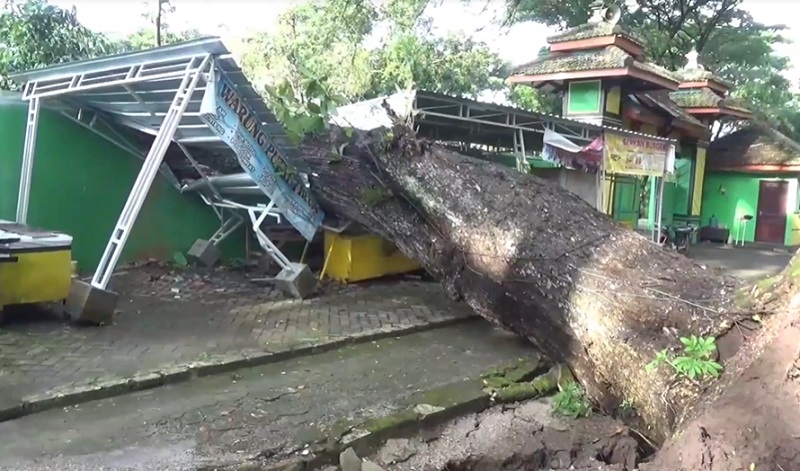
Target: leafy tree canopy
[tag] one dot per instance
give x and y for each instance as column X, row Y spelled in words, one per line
column 146, row 38
column 361, row 50
column 159, row 33
column 35, row 34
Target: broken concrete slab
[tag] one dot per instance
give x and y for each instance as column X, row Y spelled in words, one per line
column 349, row 460
column 204, row 252
column 397, row 450
column 90, row 304
column 296, row 280
column 370, row 466
column 424, row 410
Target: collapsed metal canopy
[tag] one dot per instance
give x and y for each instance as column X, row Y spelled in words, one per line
column 137, row 89
column 158, row 92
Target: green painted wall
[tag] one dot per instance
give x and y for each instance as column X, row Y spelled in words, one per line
column 728, row 196
column 682, row 187
column 80, row 184
column 740, row 197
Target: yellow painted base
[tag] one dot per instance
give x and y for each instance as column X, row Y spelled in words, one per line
column 36, row 277
column 363, row 257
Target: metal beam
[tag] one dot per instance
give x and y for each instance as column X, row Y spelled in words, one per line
column 28, row 155
column 200, row 140
column 138, row 194
column 82, row 82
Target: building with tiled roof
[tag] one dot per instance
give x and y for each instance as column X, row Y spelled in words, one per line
column 601, row 70
column 706, row 96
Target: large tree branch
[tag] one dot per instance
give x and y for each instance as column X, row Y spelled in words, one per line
column 707, row 27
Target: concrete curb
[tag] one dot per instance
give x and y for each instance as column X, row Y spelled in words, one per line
column 423, row 410
column 116, row 386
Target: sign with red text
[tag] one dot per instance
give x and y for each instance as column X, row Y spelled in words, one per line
column 636, row 155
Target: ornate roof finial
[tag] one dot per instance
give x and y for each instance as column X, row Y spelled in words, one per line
column 692, row 62
column 602, row 13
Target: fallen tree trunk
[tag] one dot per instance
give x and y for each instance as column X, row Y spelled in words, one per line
column 539, row 261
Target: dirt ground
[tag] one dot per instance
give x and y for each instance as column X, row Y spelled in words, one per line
column 753, row 423
column 748, row 421
column 751, row 426
column 524, row 437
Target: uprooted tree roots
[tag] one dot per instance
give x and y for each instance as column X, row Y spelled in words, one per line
column 539, row 261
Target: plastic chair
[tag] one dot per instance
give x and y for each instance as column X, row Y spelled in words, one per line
column 741, row 230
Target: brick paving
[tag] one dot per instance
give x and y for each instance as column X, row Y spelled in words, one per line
column 168, row 318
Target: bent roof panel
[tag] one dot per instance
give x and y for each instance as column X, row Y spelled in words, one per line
column 136, row 90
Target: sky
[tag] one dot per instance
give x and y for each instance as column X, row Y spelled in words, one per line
column 232, row 19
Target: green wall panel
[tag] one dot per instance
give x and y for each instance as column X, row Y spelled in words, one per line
column 80, row 184
column 584, row 97
column 728, row 196
column 682, row 187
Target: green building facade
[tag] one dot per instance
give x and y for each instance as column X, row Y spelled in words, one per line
column 80, row 184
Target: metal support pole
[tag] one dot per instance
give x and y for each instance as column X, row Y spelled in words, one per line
column 599, row 180
column 147, row 174
column 659, row 207
column 257, row 217
column 660, row 202
column 519, row 150
column 28, row 154
column 226, row 228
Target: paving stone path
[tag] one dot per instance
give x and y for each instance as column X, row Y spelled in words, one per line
column 168, row 319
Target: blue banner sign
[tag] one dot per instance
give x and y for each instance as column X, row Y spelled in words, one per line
column 227, row 114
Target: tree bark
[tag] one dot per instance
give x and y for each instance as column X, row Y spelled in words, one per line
column 539, row 261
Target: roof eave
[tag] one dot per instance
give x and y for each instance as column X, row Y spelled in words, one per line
column 719, row 111
column 639, row 74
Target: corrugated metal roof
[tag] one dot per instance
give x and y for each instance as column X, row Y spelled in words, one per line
column 438, row 110
column 136, row 90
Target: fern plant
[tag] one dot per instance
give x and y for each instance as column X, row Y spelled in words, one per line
column 697, row 359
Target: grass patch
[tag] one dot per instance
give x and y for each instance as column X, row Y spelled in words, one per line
column 571, row 402
column 396, row 420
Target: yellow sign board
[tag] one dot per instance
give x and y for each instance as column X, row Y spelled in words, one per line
column 635, row 155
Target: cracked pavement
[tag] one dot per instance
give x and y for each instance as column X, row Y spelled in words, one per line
column 253, row 411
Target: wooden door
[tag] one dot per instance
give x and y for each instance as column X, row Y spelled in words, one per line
column 771, row 217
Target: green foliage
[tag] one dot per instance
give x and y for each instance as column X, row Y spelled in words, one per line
column 146, row 38
column 36, row 34
column 360, row 49
column 570, row 402
column 532, row 99
column 319, row 38
column 453, row 65
column 696, row 361
column 159, row 33
column 375, row 195
column 303, row 109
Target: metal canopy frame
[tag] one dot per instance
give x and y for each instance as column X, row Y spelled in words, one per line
column 447, row 118
column 158, row 92
column 436, row 105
